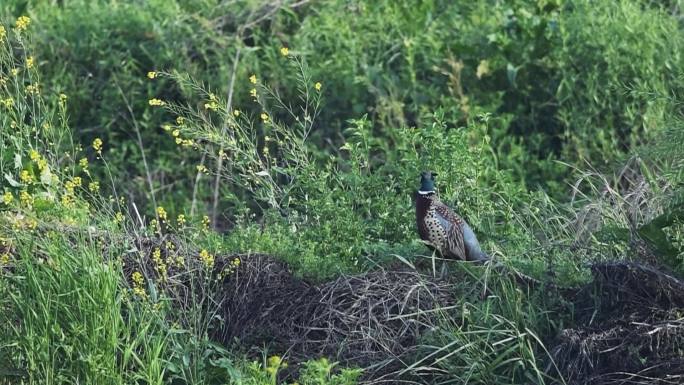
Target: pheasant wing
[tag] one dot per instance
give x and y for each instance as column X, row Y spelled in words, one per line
column 453, row 224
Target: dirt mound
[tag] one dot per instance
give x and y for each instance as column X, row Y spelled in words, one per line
column 630, row 329
column 370, row 320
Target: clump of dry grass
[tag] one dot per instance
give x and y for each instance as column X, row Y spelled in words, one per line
column 630, row 329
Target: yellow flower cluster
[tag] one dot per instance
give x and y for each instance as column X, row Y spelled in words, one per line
column 159, row 264
column 26, row 199
column 206, row 258
column 202, row 169
column 4, row 259
column 119, row 217
column 3, row 33
column 7, row 102
column 205, row 222
column 7, row 198
column 97, row 145
column 156, row 102
column 33, row 89
column 275, row 363
column 138, row 284
column 22, row 23
column 229, row 268
column 94, row 187
column 284, row 51
column 26, row 177
column 39, row 160
column 161, row 213
column 180, row 220
column 212, row 104
column 264, row 117
column 318, row 86
column 253, row 79
column 151, row 74
column 177, row 135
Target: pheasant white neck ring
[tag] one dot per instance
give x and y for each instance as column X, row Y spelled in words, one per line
column 426, row 192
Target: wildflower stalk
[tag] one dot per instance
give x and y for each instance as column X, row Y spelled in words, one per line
column 148, row 175
column 224, row 129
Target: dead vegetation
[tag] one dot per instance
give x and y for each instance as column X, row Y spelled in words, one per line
column 630, row 329
column 629, row 321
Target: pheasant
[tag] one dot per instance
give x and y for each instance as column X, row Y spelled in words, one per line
column 442, row 228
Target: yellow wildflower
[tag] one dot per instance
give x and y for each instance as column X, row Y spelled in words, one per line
column 33, row 89
column 236, row 113
column 159, row 264
column 137, row 278
column 94, row 187
column 205, row 222
column 77, row 181
column 83, row 163
column 119, row 217
column 175, row 133
column 156, row 102
column 284, row 51
column 212, row 105
column 253, row 92
column 22, row 23
column 206, row 258
column 25, row 198
column 69, row 187
column 151, row 74
column 166, row 127
column 179, row 141
column 31, row 224
column 180, row 120
column 318, row 86
column 161, row 213
column 264, row 117
column 97, row 145
column 34, row 155
column 42, row 164
column 4, row 258
column 62, row 99
column 180, row 220
column 138, row 282
column 7, row 198
column 26, row 177
column 253, row 79
column 201, row 168
column 14, row 71
column 29, row 62
column 3, row 32
column 8, row 102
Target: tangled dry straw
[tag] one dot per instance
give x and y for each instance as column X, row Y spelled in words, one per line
column 630, row 329
column 372, row 320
